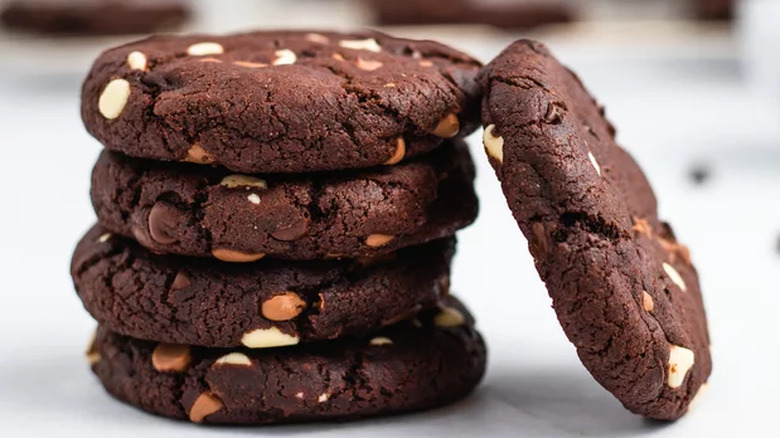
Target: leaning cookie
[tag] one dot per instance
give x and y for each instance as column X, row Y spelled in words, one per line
column 429, row 362
column 285, row 101
column 190, row 210
column 623, row 288
column 274, row 303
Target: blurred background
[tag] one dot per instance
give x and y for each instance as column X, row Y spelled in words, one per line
column 693, row 87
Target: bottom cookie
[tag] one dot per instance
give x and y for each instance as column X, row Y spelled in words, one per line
column 427, row 362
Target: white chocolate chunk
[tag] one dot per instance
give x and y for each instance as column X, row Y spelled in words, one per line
column 114, row 98
column 369, row 44
column 205, row 48
column 267, row 338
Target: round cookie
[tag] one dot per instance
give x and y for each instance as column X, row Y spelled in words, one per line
column 623, row 288
column 284, row 101
column 94, row 17
column 413, row 366
column 273, row 303
column 191, row 210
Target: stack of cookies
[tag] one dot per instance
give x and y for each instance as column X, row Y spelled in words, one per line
column 276, row 213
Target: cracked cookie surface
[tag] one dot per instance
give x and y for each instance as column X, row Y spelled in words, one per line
column 190, row 210
column 291, row 101
column 623, row 288
column 210, row 303
column 411, row 366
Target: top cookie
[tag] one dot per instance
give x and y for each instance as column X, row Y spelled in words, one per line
column 287, row 101
column 623, row 288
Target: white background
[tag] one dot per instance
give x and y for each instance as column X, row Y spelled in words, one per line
column 678, row 98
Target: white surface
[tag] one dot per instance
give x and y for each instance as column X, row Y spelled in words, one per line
column 671, row 113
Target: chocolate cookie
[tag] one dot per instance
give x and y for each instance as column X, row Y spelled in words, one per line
column 93, row 17
column 623, row 288
column 259, row 305
column 192, row 210
column 289, row 101
column 510, row 14
column 417, row 365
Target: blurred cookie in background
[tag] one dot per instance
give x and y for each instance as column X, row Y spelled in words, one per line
column 94, row 17
column 500, row 13
column 715, row 9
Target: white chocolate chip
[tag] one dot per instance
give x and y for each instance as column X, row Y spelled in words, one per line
column 234, row 359
column 426, row 63
column 681, row 360
column 675, row 276
column 594, row 162
column 323, row 397
column 235, row 181
column 449, row 317
column 317, row 38
column 284, row 57
column 380, row 340
column 114, row 98
column 493, row 145
column 253, row 198
column 205, row 48
column 267, row 338
column 136, row 60
column 104, row 237
column 369, row 44
column 299, row 395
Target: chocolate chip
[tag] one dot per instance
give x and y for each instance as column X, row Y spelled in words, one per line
column 162, row 221
column 288, row 232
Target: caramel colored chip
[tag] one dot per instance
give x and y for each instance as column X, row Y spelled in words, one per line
column 448, row 126
column 400, row 151
column 229, row 255
column 181, row 281
column 171, row 358
column 641, row 226
column 92, row 353
column 647, row 302
column 248, row 64
column 377, row 240
column 198, row 155
column 367, row 64
column 206, row 404
column 283, row 307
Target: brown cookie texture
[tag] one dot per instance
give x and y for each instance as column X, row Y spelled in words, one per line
column 203, row 302
column 93, row 17
column 412, row 366
column 210, row 212
column 623, row 287
column 282, row 101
